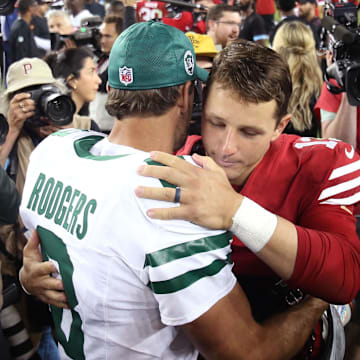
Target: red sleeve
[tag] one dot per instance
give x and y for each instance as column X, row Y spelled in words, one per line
column 328, row 258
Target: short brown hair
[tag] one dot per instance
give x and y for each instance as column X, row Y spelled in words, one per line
column 114, row 19
column 122, row 103
column 255, row 73
column 216, row 12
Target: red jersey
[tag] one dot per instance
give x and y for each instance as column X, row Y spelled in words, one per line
column 313, row 183
column 331, row 102
column 183, row 21
column 149, row 10
column 265, row 7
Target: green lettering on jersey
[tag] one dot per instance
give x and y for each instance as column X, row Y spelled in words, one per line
column 60, row 214
column 50, row 211
column 45, row 196
column 34, row 197
column 91, row 206
column 75, row 194
column 79, row 206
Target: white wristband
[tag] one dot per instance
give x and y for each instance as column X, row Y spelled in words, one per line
column 253, row 225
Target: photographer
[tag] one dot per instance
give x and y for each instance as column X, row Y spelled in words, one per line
column 18, row 107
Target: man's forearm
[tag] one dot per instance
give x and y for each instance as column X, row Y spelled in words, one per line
column 273, row 239
column 292, row 328
column 343, row 127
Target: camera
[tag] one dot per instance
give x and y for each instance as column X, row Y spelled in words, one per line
column 88, row 35
column 341, row 35
column 50, row 103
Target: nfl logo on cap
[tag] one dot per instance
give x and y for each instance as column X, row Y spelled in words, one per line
column 126, row 75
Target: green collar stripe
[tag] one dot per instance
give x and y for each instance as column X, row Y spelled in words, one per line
column 82, row 148
column 183, row 281
column 164, row 256
column 164, row 183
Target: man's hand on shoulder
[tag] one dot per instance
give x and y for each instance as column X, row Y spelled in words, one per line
column 35, row 275
column 206, row 197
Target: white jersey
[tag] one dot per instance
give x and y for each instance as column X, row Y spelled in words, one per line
column 130, row 280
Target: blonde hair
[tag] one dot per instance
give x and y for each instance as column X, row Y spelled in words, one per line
column 295, row 43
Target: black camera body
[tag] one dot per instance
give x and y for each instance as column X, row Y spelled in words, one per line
column 58, row 108
column 88, row 35
column 50, row 103
column 342, row 37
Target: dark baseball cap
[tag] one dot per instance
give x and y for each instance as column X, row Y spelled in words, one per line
column 152, row 55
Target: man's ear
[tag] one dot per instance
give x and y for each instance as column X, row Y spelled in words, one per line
column 281, row 126
column 211, row 24
column 185, row 96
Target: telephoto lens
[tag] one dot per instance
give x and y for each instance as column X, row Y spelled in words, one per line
column 51, row 103
column 58, row 108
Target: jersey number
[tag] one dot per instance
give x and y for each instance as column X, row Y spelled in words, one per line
column 147, row 14
column 53, row 248
column 311, row 142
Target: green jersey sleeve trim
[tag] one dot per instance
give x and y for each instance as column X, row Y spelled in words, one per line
column 185, row 280
column 82, row 148
column 179, row 251
column 164, row 183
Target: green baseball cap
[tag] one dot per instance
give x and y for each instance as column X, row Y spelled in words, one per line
column 152, row 55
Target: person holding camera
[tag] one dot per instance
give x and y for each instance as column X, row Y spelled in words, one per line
column 25, row 129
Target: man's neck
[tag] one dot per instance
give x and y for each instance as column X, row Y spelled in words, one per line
column 26, row 17
column 212, row 35
column 145, row 133
column 310, row 17
column 247, row 12
column 288, row 13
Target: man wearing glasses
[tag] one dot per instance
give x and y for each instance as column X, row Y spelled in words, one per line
column 223, row 24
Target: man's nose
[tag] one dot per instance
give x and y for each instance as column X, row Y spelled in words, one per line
column 229, row 145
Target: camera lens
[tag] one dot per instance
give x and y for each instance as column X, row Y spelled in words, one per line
column 352, row 82
column 59, row 109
